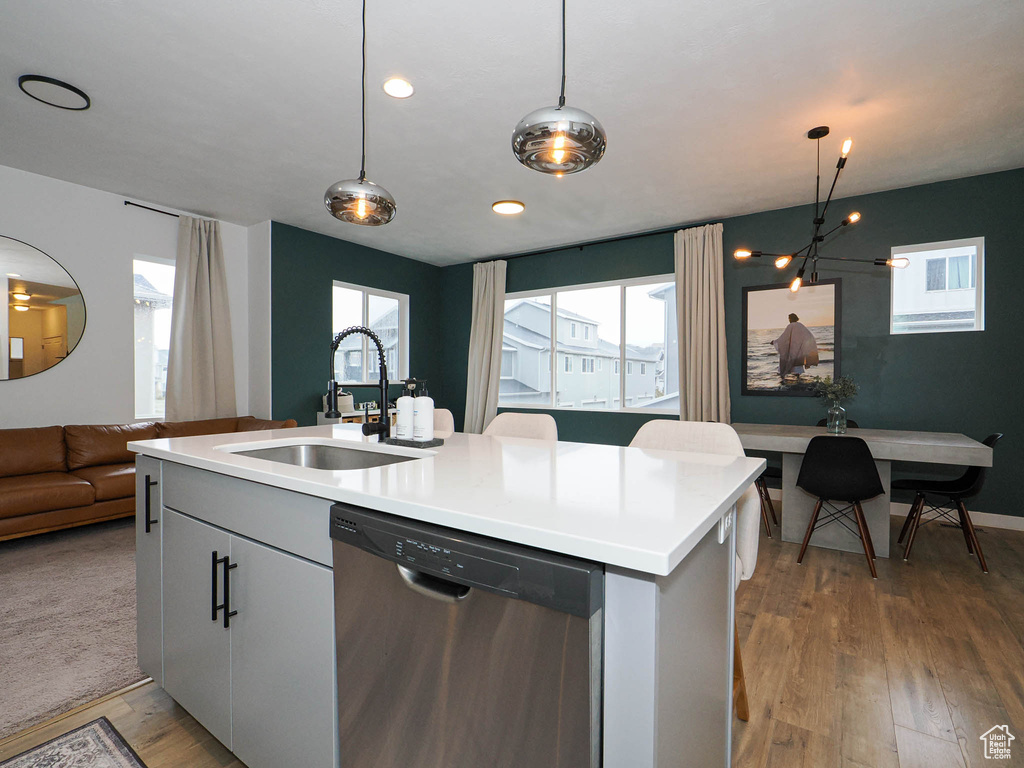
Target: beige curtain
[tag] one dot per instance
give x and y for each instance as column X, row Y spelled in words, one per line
column 485, row 345
column 700, row 315
column 200, row 363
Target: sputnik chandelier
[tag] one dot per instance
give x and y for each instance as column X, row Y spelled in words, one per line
column 810, row 252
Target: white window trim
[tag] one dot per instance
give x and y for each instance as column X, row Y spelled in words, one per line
column 403, row 330
column 629, row 367
column 979, row 282
column 551, row 294
column 643, row 369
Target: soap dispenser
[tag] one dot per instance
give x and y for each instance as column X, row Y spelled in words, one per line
column 423, row 418
column 406, row 408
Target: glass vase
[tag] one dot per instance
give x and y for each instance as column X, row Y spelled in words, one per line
column 837, row 419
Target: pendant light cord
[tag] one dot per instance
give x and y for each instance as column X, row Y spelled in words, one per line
column 561, row 96
column 362, row 160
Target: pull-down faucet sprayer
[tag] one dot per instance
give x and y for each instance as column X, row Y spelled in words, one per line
column 383, row 427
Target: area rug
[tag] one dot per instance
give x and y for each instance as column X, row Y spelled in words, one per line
column 96, row 745
column 67, row 621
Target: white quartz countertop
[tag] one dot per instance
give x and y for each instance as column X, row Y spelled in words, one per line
column 629, row 507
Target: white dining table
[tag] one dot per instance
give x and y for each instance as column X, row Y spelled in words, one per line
column 886, row 446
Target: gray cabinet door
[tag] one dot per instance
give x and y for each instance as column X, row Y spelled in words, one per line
column 282, row 659
column 197, row 649
column 148, row 567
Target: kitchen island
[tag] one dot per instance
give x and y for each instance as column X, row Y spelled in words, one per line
column 236, row 600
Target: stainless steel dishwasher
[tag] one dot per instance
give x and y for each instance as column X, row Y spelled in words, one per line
column 460, row 651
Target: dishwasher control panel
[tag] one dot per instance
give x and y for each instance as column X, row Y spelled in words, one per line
column 504, row 568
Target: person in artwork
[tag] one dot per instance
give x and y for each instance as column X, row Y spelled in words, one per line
column 797, row 348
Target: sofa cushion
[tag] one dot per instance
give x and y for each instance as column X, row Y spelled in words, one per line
column 201, row 427
column 28, row 451
column 252, row 424
column 91, row 445
column 111, row 481
column 25, row 494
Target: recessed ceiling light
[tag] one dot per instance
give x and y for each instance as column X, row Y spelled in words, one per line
column 20, row 308
column 13, row 274
column 399, row 88
column 508, row 207
column 56, row 93
column 21, row 296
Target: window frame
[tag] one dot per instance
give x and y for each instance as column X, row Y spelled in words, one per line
column 165, row 262
column 978, row 275
column 618, row 369
column 403, row 331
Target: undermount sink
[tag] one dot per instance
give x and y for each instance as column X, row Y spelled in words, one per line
column 330, row 457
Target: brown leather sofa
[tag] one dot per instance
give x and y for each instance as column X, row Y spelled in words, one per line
column 60, row 477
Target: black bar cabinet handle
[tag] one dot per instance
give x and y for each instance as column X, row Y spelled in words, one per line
column 216, row 607
column 150, row 522
column 228, row 613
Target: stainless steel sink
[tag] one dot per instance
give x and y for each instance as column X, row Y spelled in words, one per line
column 325, row 456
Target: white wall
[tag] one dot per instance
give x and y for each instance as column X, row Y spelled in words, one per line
column 95, row 236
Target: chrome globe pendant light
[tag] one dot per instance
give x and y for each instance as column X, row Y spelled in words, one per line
column 360, row 201
column 559, row 140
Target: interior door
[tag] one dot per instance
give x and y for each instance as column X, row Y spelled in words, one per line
column 197, row 648
column 284, row 632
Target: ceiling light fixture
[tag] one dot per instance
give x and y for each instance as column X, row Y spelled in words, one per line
column 360, row 201
column 13, row 274
column 508, row 207
column 20, row 307
column 54, row 92
column 21, row 296
column 398, row 88
column 559, row 140
column 810, row 251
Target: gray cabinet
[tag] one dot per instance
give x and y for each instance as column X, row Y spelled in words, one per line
column 265, row 685
column 148, row 531
column 197, row 648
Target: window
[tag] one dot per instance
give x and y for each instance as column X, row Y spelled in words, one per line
column 154, row 291
column 594, row 322
column 941, row 289
column 387, row 315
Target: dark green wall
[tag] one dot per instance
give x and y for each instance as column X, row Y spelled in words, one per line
column 303, row 267
column 951, row 382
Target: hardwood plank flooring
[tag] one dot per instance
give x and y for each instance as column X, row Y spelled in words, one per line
column 905, row 671
column 844, row 671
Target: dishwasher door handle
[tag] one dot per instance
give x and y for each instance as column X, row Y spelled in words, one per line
column 432, row 586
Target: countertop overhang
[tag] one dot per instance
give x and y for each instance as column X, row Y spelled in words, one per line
column 634, row 508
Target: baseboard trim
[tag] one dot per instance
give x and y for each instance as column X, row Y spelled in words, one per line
column 984, row 519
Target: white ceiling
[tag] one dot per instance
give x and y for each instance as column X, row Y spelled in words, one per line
column 248, row 111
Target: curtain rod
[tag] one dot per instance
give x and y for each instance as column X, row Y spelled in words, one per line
column 584, row 243
column 155, row 210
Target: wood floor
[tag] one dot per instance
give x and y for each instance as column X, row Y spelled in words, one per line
column 903, row 672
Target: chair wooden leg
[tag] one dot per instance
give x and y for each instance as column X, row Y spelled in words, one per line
column 810, row 530
column 913, row 531
column 919, row 499
column 869, row 541
column 764, row 511
column 974, row 534
column 865, row 538
column 763, row 486
column 966, row 531
column 739, row 683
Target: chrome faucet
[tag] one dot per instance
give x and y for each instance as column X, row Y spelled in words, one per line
column 383, row 427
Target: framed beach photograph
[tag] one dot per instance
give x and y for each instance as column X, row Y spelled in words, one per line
column 790, row 338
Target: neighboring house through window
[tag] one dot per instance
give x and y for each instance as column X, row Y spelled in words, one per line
column 941, row 289
column 386, row 314
column 154, row 291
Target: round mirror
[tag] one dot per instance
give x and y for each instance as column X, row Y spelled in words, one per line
column 45, row 315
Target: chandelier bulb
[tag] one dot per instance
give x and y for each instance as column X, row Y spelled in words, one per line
column 795, row 285
column 901, row 262
column 847, row 146
column 783, row 261
column 742, row 253
column 853, row 218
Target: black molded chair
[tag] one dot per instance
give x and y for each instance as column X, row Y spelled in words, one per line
column 775, row 473
column 840, row 469
column 952, row 494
